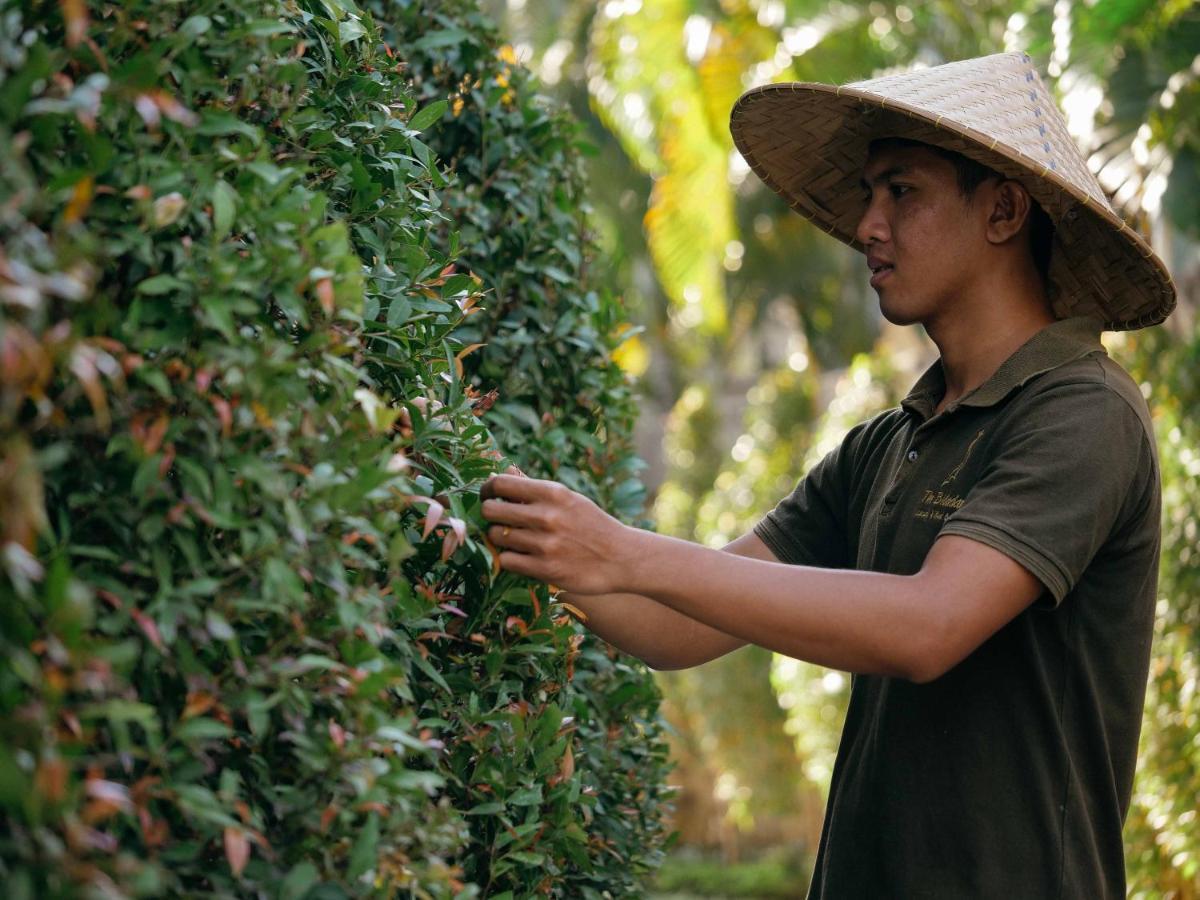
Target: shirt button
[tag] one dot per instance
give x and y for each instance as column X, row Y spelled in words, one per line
column 912, row 455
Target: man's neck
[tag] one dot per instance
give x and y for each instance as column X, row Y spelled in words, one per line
column 974, row 346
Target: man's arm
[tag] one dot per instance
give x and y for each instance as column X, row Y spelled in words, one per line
column 910, row 626
column 662, row 637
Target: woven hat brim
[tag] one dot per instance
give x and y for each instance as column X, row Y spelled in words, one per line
column 808, row 142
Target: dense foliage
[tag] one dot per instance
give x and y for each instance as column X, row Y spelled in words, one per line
column 280, row 284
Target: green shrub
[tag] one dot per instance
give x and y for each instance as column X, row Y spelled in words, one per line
column 252, row 638
column 780, row 872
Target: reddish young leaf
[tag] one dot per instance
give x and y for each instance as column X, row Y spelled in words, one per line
column 224, row 414
column 149, row 628
column 325, row 295
column 148, row 110
column 84, row 366
column 237, row 849
column 51, row 779
column 327, row 816
column 454, row 537
column 75, row 15
column 168, row 460
column 110, row 793
column 81, row 199
column 432, row 516
column 168, row 208
column 573, row 610
column 174, row 110
column 198, row 703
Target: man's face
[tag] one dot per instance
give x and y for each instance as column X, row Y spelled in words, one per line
column 922, row 237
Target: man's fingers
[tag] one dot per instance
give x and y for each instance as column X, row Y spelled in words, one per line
column 488, row 491
column 504, row 512
column 520, row 564
column 509, row 538
column 518, row 488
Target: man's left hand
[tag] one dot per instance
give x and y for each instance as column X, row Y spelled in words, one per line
column 546, row 531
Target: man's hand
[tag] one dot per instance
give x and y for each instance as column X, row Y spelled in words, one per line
column 547, row 531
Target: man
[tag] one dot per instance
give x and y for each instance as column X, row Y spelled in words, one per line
column 984, row 557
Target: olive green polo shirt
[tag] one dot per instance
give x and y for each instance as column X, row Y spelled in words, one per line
column 1010, row 775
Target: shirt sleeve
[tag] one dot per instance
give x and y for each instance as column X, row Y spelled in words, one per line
column 809, row 526
column 1060, row 482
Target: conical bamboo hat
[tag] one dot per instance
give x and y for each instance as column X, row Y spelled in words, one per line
column 808, row 142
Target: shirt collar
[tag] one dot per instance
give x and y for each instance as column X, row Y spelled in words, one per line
column 1057, row 344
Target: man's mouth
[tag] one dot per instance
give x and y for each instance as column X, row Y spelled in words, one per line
column 879, row 273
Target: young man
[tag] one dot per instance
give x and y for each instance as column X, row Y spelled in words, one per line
column 982, row 558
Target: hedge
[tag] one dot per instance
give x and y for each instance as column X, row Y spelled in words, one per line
column 280, row 285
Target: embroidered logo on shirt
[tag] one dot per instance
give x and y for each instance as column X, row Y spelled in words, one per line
column 957, row 470
column 937, row 505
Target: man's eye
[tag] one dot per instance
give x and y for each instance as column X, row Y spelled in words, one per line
column 899, row 190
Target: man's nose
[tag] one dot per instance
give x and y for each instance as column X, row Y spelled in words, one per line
column 872, row 226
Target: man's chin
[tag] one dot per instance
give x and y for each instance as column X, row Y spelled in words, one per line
column 898, row 315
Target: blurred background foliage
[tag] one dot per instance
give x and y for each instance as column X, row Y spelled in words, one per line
column 762, row 344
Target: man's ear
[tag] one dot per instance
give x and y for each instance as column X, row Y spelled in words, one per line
column 1009, row 210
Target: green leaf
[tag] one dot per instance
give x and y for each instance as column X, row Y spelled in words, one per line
column 195, row 26
column 160, row 284
column 424, row 666
column 527, row 857
column 217, row 626
column 448, row 37
column 423, row 118
column 220, row 124
column 302, row 877
column 362, row 857
column 122, row 711
column 350, row 29
column 224, row 201
column 203, row 729
column 527, row 796
column 486, row 809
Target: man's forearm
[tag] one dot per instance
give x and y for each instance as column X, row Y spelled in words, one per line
column 661, row 637
column 910, row 626
column 849, row 620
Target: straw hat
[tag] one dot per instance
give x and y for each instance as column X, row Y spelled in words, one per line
column 808, row 142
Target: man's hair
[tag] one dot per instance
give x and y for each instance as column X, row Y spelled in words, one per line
column 970, row 175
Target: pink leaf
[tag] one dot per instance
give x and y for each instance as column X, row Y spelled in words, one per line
column 237, row 849
column 147, row 109
column 432, row 517
column 454, row 537
column 325, row 295
column 174, row 110
column 110, row 792
column 149, row 628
